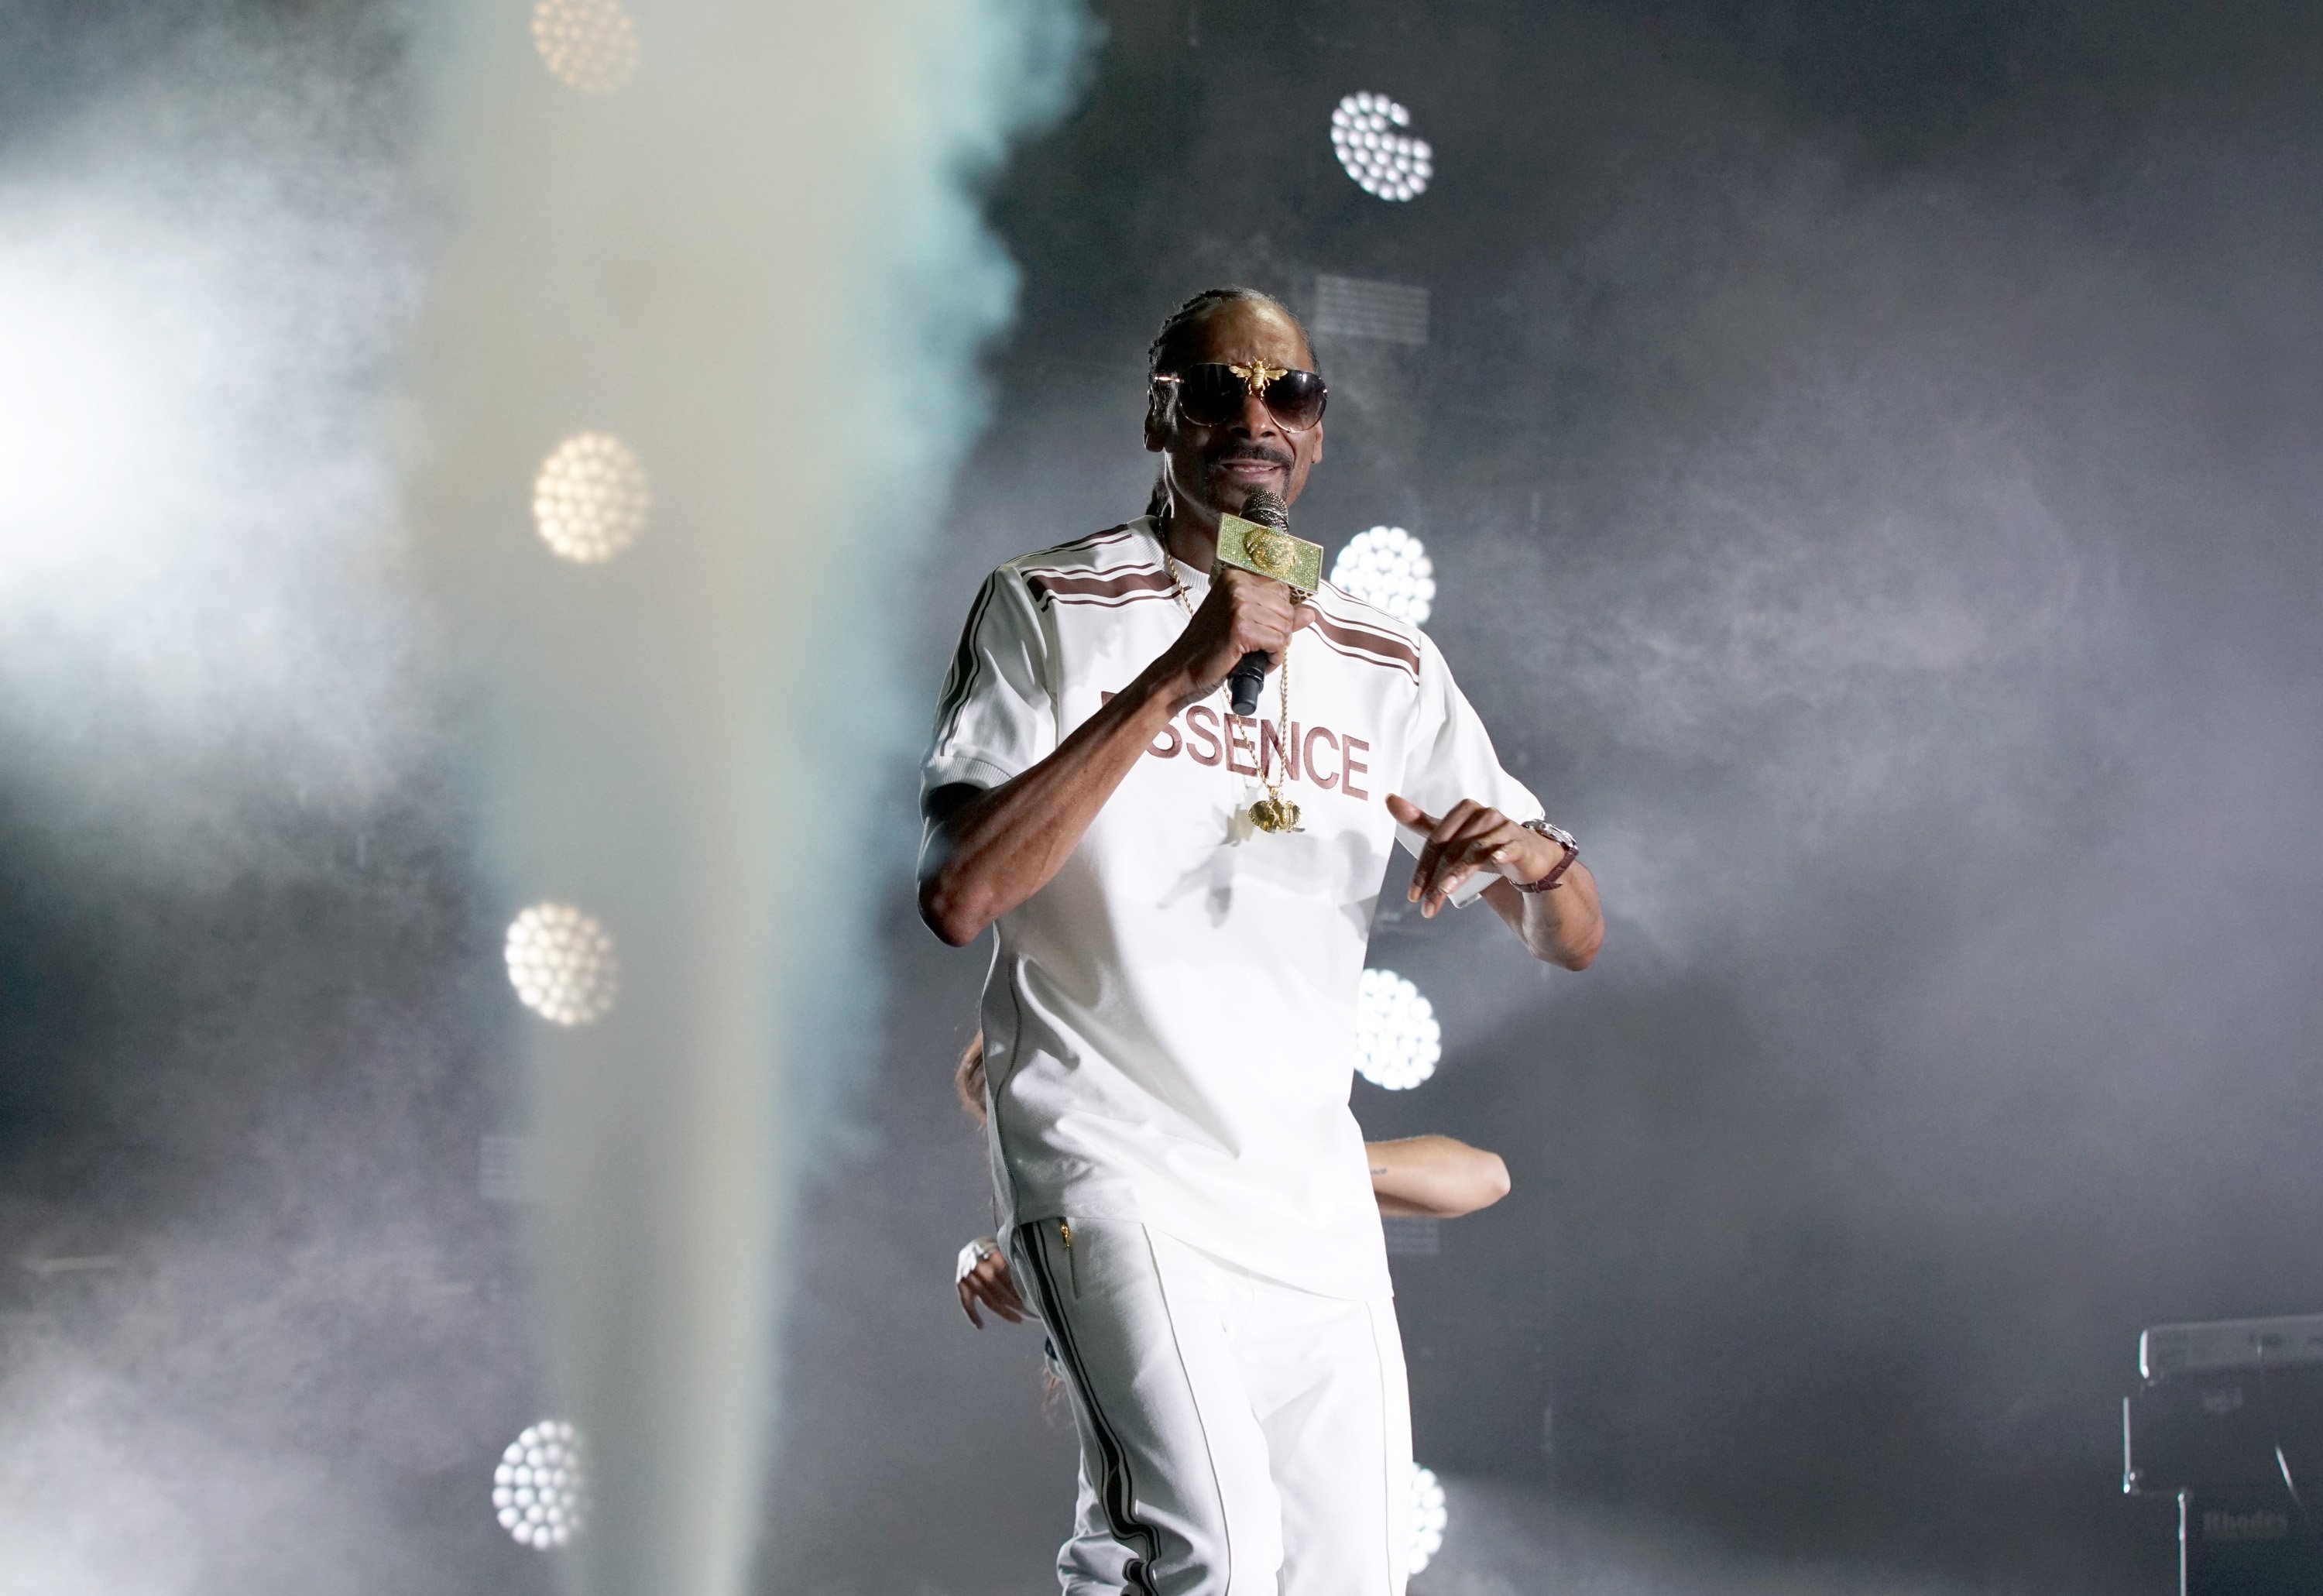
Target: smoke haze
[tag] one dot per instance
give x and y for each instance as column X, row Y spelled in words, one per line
column 1867, row 459
column 1867, row 464
column 209, row 263
column 269, row 1322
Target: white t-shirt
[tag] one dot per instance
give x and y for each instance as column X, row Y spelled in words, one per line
column 1169, row 1025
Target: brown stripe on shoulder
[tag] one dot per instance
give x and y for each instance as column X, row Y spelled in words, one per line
column 1116, row 603
column 1093, row 587
column 1094, row 540
column 1367, row 658
column 1363, row 642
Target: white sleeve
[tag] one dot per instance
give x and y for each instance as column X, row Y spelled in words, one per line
column 1450, row 754
column 997, row 717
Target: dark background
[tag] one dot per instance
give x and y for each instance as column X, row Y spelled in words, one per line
column 1865, row 453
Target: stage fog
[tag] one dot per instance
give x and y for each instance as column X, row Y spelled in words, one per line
column 1866, row 469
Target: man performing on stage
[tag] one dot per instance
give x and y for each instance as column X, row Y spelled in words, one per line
column 1183, row 896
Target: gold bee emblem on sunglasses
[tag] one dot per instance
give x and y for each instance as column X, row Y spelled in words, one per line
column 1258, row 373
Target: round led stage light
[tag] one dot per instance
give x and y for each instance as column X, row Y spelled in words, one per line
column 591, row 45
column 540, row 1490
column 591, row 499
column 1389, row 567
column 1428, row 1517
column 561, row 962
column 1396, row 1038
column 1383, row 160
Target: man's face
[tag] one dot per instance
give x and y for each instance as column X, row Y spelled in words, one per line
column 1215, row 467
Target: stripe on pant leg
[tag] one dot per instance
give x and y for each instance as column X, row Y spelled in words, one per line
column 1217, row 1481
column 1114, row 1492
column 1397, row 1524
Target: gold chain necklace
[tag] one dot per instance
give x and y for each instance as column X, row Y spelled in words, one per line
column 1274, row 812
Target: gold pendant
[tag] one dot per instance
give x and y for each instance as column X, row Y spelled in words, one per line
column 1274, row 813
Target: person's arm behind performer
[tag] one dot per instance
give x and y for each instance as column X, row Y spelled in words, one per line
column 1416, row 1177
column 1435, row 1177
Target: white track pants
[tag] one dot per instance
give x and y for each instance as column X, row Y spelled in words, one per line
column 1240, row 1437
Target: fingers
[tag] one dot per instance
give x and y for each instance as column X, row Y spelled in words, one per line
column 983, row 1277
column 1491, row 848
column 990, row 1283
column 1486, row 845
column 1470, row 837
column 1244, row 613
column 1431, row 852
column 1264, row 627
column 1463, row 859
column 1261, row 614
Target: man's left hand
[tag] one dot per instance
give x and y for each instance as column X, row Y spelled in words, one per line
column 1469, row 838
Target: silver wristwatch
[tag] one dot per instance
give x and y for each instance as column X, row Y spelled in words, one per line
column 1556, row 877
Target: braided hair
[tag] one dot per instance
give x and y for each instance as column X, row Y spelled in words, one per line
column 1167, row 349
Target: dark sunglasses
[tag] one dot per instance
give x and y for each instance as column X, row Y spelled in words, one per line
column 1213, row 394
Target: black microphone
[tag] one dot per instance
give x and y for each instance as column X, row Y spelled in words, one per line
column 1265, row 509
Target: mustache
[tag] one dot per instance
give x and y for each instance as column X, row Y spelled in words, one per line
column 1250, row 452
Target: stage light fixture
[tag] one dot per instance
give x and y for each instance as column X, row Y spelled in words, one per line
column 1382, row 161
column 1389, row 567
column 591, row 45
column 1396, row 1038
column 1428, row 1517
column 540, row 1490
column 591, row 498
column 561, row 962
